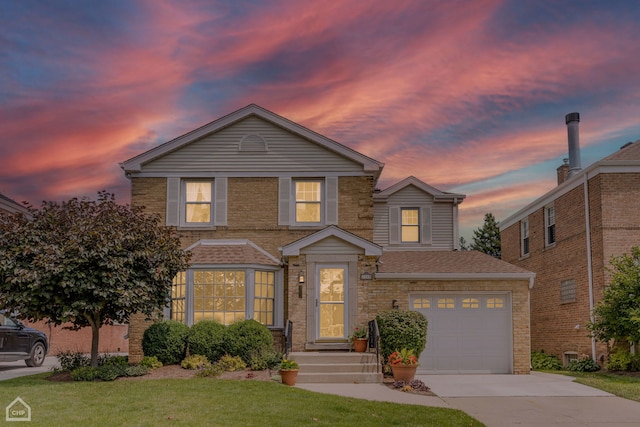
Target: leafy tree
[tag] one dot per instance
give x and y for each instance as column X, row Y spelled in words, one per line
column 617, row 315
column 487, row 238
column 90, row 263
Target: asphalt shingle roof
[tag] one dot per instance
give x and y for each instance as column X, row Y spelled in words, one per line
column 444, row 262
column 229, row 253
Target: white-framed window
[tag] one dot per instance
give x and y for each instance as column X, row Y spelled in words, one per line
column 550, row 225
column 225, row 295
column 178, row 297
column 197, row 202
column 264, row 297
column 410, row 225
column 524, row 236
column 308, row 201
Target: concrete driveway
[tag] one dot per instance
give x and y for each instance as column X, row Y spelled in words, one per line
column 10, row 370
column 537, row 399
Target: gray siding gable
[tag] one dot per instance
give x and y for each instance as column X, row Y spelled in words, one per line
column 222, row 152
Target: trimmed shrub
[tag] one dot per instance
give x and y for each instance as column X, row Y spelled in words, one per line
column 212, row 370
column 231, row 363
column 620, row 360
column 266, row 360
column 167, row 341
column 584, row 364
column 247, row 337
column 207, row 338
column 150, row 362
column 541, row 361
column 108, row 360
column 136, row 371
column 196, row 361
column 402, row 329
column 110, row 372
column 84, row 373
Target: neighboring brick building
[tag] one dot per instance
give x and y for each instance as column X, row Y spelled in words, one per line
column 113, row 338
column 567, row 237
column 286, row 224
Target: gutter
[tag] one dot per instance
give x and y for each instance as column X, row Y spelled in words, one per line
column 587, row 221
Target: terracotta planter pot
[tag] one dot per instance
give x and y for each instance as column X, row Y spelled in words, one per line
column 403, row 372
column 360, row 344
column 289, row 376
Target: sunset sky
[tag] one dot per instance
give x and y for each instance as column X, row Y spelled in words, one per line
column 468, row 96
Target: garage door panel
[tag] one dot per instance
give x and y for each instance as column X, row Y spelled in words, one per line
column 467, row 333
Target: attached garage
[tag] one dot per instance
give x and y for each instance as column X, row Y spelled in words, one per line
column 467, row 332
column 477, row 308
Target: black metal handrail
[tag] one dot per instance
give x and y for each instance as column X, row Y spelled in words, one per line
column 287, row 334
column 374, row 339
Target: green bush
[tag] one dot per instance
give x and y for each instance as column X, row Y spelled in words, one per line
column 584, row 364
column 150, row 362
column 231, row 363
column 207, row 337
column 70, row 360
column 110, row 372
column 402, row 329
column 136, row 371
column 84, row 373
column 195, row 361
column 265, row 360
column 212, row 370
column 247, row 337
column 113, row 360
column 541, row 361
column 167, row 341
column 623, row 360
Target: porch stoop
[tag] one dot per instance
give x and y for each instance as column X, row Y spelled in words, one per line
column 337, row 367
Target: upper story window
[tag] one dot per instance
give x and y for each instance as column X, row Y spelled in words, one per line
column 308, row 201
column 410, row 225
column 198, row 206
column 524, row 234
column 550, row 225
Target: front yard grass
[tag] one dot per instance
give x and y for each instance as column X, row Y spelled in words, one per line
column 620, row 385
column 205, row 401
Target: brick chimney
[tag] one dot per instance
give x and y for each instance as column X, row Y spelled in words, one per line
column 563, row 171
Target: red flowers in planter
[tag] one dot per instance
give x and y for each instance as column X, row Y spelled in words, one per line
column 402, row 357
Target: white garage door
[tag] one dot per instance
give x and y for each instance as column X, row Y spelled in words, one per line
column 467, row 333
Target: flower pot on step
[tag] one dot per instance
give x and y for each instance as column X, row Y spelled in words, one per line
column 360, row 344
column 289, row 376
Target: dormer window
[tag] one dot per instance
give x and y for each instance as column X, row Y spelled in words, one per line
column 410, row 227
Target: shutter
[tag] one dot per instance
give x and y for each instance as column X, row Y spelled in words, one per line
column 284, row 196
column 220, row 197
column 173, row 201
column 394, row 225
column 331, row 200
column 425, row 226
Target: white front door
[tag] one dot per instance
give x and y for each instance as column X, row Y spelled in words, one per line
column 331, row 302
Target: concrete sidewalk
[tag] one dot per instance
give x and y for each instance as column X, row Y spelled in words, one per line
column 10, row 370
column 538, row 399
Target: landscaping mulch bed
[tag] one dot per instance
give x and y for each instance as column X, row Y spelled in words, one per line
column 388, row 381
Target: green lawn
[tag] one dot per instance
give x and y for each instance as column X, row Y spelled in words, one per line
column 212, row 402
column 620, row 385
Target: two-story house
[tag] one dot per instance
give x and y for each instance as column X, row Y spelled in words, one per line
column 286, row 224
column 568, row 237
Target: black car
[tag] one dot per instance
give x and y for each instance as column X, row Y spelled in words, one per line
column 20, row 342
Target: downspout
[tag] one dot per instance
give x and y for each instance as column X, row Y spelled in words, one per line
column 589, row 260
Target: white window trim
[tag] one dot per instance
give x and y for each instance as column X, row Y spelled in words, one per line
column 323, row 201
column 424, row 222
column 418, row 226
column 525, row 233
column 278, row 303
column 183, row 205
column 547, row 225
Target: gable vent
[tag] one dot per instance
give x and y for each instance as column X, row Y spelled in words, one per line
column 253, row 142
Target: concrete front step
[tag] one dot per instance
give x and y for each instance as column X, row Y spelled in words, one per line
column 337, row 367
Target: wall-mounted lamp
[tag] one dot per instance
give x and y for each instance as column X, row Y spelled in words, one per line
column 394, row 304
column 300, row 283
